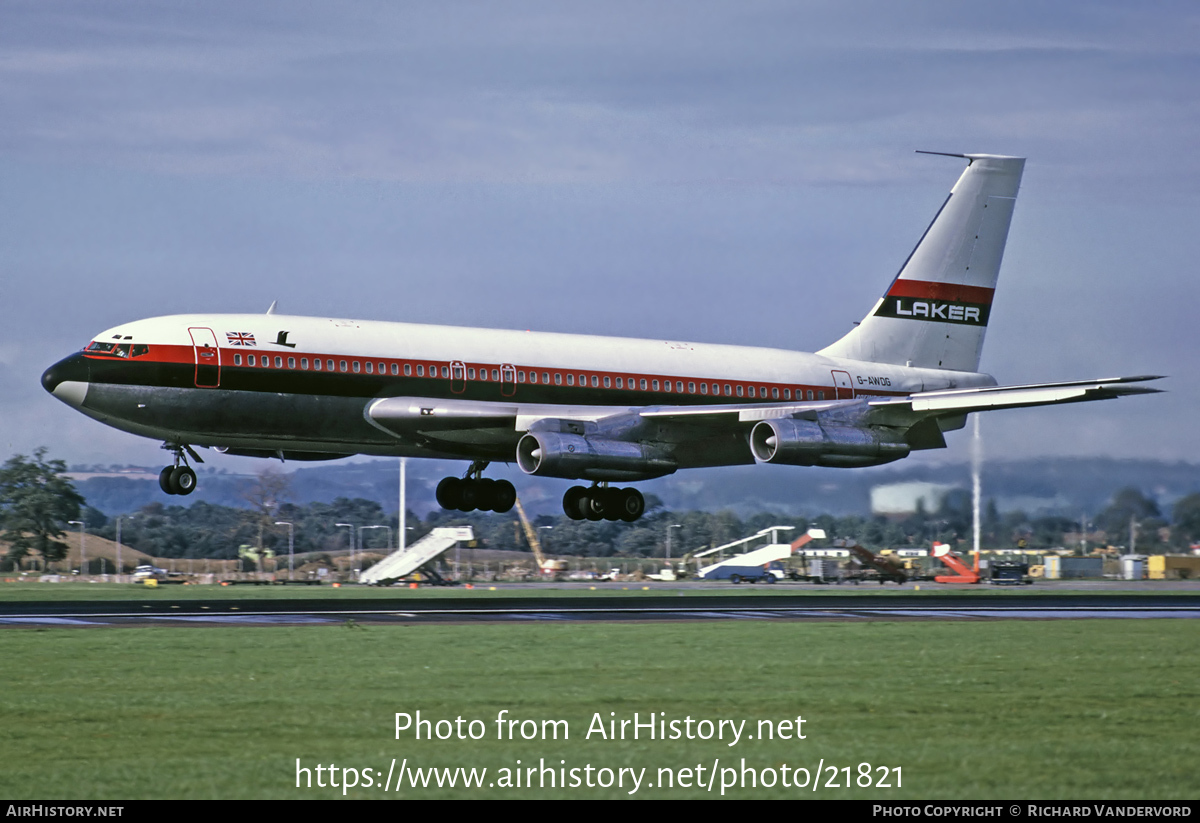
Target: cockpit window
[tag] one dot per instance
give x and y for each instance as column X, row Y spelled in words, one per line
column 123, row 350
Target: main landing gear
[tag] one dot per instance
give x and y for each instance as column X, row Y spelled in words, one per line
column 602, row 503
column 474, row 491
column 178, row 478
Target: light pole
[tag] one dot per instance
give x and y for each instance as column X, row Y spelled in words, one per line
column 82, row 551
column 674, row 526
column 349, row 526
column 402, row 538
column 291, row 546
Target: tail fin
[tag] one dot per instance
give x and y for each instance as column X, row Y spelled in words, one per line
column 935, row 313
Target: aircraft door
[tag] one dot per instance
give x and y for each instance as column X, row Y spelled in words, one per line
column 458, row 377
column 208, row 358
column 508, row 380
column 843, row 388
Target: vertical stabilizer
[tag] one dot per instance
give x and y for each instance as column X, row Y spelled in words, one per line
column 935, row 312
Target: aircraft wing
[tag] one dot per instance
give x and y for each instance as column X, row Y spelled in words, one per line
column 920, row 404
column 962, row 401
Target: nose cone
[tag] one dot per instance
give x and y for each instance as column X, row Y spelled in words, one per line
column 68, row 379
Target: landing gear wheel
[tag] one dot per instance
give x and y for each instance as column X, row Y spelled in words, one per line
column 183, row 480
column 630, row 505
column 470, row 496
column 735, row 579
column 449, row 493
column 504, row 496
column 485, row 491
column 593, row 504
column 164, row 480
column 573, row 502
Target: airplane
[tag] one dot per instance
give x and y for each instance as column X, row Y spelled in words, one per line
column 579, row 407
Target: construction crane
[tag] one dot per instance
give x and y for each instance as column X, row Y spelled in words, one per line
column 547, row 567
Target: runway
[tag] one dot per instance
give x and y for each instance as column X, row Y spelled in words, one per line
column 478, row 608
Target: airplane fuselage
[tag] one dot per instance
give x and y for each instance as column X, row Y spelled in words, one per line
column 304, row 385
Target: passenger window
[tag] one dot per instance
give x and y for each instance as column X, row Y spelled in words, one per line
column 278, row 362
column 666, row 385
column 810, row 397
column 691, row 387
column 728, row 391
column 329, row 365
column 595, row 381
column 546, row 377
column 445, row 371
column 356, row 367
column 820, row 395
column 520, row 377
column 533, row 377
column 343, row 366
column 583, row 379
column 739, row 390
column 396, row 369
column 407, row 370
column 620, row 383
column 304, row 363
column 775, row 393
column 383, row 368
column 495, row 374
column 642, row 384
column 750, row 391
column 421, row 371
column 237, row 360
column 570, row 380
column 607, row 382
column 704, row 388
column 316, row 364
column 471, row 373
column 291, row 362
column 370, row 366
column 716, row 389
column 787, row 394
column 679, row 386
column 654, row 385
column 558, row 379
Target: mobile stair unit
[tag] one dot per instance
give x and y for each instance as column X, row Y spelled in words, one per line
column 760, row 564
column 403, row 562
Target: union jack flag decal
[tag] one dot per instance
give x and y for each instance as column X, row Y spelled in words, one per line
column 240, row 338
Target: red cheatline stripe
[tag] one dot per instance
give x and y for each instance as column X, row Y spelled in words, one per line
column 941, row 291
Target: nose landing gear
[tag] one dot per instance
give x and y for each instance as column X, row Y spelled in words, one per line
column 474, row 491
column 602, row 503
column 179, row 478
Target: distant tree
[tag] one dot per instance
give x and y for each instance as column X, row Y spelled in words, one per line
column 36, row 501
column 265, row 494
column 93, row 518
column 1185, row 519
column 1130, row 504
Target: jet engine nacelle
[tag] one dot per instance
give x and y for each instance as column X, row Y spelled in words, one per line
column 576, row 457
column 791, row 442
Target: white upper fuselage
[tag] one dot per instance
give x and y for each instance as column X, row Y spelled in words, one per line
column 565, row 354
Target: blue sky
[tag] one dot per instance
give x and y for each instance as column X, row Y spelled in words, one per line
column 735, row 172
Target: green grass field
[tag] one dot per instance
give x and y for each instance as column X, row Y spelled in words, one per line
column 1013, row 709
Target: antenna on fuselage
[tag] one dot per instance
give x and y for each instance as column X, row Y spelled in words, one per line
column 271, row 310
